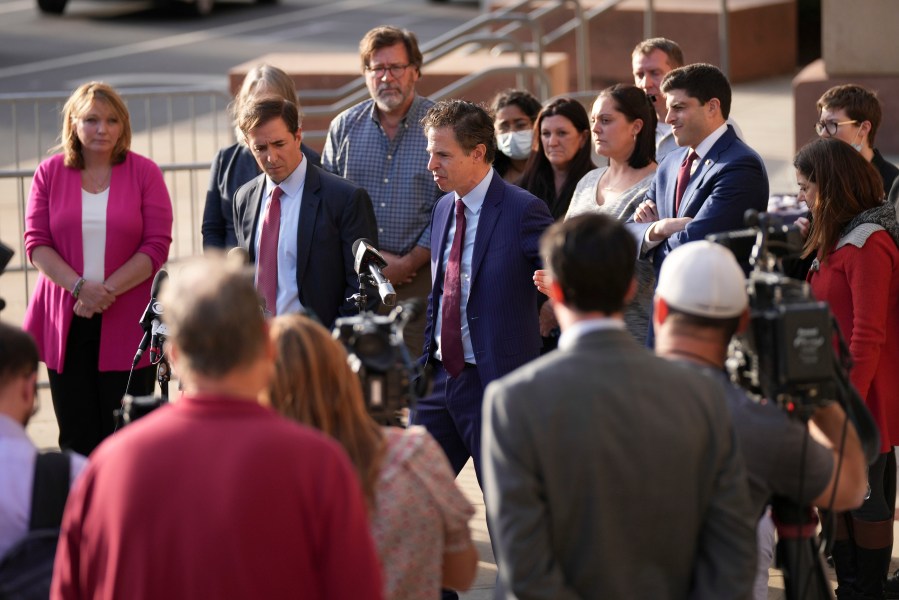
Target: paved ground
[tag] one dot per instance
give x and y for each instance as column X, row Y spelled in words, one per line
column 764, row 111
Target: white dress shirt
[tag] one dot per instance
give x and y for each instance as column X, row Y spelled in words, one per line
column 292, row 195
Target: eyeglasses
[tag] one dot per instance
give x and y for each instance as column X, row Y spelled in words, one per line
column 395, row 70
column 830, row 126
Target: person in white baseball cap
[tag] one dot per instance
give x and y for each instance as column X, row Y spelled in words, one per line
column 700, row 303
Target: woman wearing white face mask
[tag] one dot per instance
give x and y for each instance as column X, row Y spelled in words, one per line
column 514, row 114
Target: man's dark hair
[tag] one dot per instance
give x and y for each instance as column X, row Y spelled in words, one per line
column 859, row 103
column 385, row 37
column 701, row 81
column 592, row 257
column 470, row 122
column 669, row 47
column 259, row 111
column 18, row 353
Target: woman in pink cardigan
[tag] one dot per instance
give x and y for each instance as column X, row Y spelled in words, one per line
column 98, row 227
column 855, row 239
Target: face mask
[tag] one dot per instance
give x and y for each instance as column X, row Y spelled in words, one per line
column 855, row 144
column 515, row 144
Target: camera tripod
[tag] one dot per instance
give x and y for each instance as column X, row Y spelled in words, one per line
column 797, row 554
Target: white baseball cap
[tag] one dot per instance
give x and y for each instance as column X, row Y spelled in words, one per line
column 703, row 279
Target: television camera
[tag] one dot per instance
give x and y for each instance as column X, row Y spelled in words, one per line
column 391, row 380
column 788, row 355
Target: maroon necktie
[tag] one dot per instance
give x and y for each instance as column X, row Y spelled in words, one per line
column 683, row 178
column 451, row 329
column 267, row 261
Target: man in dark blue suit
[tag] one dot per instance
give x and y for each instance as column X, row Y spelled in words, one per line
column 706, row 185
column 296, row 221
column 482, row 311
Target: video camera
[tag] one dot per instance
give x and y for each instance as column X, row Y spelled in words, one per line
column 391, row 380
column 787, row 353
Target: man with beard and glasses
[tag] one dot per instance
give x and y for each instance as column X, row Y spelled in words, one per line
column 379, row 144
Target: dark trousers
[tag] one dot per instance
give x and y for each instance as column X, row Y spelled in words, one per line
column 85, row 398
column 452, row 415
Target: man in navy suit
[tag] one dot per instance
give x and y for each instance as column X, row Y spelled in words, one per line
column 315, row 218
column 706, row 185
column 482, row 311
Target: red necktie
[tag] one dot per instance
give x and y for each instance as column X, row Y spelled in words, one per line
column 451, row 329
column 683, row 178
column 267, row 261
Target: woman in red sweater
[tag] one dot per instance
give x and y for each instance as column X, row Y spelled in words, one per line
column 855, row 238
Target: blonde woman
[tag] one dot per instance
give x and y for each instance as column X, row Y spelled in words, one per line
column 98, row 227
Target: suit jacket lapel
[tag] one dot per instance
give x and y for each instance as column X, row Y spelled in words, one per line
column 490, row 212
column 706, row 164
column 441, row 224
column 254, row 202
column 309, row 209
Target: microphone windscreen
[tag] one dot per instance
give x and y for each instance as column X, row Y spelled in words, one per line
column 161, row 276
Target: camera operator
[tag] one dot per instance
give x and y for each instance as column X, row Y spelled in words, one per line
column 214, row 495
column 701, row 302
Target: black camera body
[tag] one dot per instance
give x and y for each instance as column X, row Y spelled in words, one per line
column 787, row 353
column 391, row 381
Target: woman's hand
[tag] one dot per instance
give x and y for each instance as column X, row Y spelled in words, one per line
column 541, row 281
column 94, row 298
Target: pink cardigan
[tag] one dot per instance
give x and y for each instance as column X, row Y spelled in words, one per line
column 138, row 219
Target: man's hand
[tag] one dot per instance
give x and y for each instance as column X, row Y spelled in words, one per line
column 646, row 212
column 662, row 230
column 400, row 270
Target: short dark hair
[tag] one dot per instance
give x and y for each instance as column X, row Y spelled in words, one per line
column 669, row 47
column 859, row 103
column 470, row 123
column 259, row 111
column 18, row 353
column 523, row 99
column 592, row 257
column 701, row 81
column 634, row 104
column 386, row 36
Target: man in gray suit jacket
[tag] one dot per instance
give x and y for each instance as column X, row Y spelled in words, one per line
column 608, row 472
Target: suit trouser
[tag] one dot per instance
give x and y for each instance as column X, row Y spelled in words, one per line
column 84, row 397
column 452, row 415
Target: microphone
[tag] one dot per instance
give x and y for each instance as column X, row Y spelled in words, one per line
column 149, row 322
column 368, row 258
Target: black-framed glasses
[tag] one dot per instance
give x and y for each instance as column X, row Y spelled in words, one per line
column 395, row 70
column 830, row 126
